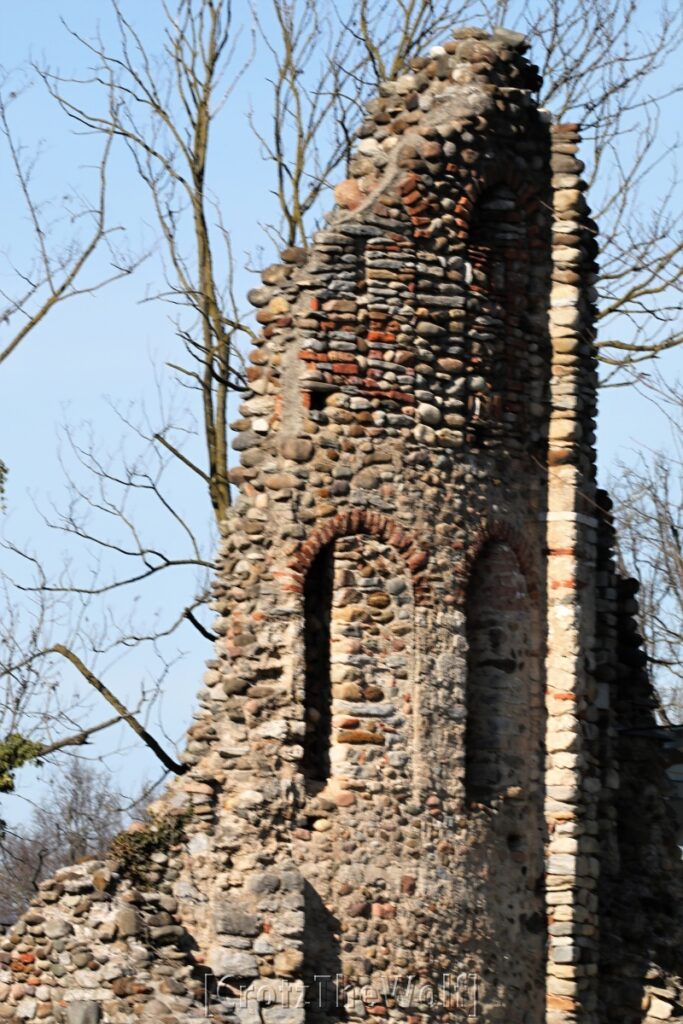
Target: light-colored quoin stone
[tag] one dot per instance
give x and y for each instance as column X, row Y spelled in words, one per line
column 420, row 782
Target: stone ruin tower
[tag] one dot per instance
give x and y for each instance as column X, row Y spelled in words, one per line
column 419, row 785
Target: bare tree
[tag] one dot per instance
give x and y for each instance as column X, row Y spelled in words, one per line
column 42, row 713
column 169, row 145
column 613, row 70
column 326, row 60
column 65, row 240
column 77, row 817
column 164, row 110
column 164, row 114
column 601, row 67
column 62, row 240
column 66, row 235
column 164, row 118
column 648, row 494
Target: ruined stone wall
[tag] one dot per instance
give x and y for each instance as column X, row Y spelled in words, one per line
column 404, row 766
column 640, row 883
column 401, row 397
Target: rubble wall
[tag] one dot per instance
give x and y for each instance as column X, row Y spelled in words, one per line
column 402, row 795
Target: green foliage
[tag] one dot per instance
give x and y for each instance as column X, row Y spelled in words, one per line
column 15, row 751
column 134, row 849
column 3, row 478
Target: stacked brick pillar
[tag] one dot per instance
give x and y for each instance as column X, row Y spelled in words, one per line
column 571, row 784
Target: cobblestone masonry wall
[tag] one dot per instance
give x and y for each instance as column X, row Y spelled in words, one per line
column 407, row 771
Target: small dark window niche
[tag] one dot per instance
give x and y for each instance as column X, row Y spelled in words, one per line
column 317, row 401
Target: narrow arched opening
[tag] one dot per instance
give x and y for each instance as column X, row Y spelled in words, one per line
column 498, row 257
column 504, row 782
column 502, row 677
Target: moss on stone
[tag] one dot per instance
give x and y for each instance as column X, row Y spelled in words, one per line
column 134, row 848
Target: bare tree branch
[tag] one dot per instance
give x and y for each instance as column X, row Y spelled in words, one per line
column 121, row 710
column 57, row 270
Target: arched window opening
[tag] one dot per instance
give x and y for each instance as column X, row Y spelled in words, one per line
column 498, row 273
column 497, row 249
column 504, row 736
column 502, row 679
column 318, row 591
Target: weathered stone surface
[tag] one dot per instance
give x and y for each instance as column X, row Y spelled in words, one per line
column 83, row 1011
column 289, row 962
column 659, row 1009
column 429, row 414
column 297, row 449
column 233, row 963
column 232, row 919
column 58, row 928
column 128, row 922
column 348, row 194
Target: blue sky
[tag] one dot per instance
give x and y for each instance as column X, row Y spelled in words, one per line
column 97, row 351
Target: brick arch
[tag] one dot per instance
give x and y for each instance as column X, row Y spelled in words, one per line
column 353, row 521
column 526, row 197
column 488, row 242
column 501, row 231
column 422, row 206
column 496, row 531
column 501, row 173
column 498, row 172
